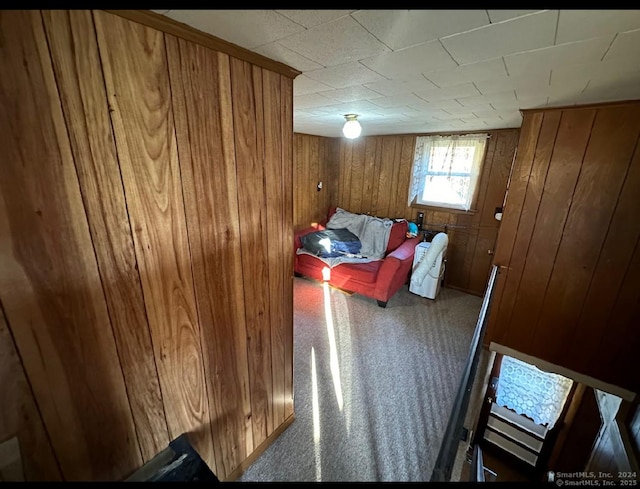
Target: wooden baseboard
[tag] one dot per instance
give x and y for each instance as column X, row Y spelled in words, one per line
column 260, row 450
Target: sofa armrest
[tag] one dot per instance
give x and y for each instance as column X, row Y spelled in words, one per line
column 406, row 250
column 395, row 269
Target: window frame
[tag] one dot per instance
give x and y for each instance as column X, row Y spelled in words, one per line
column 418, row 203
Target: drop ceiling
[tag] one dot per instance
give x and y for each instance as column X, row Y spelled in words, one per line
column 419, row 71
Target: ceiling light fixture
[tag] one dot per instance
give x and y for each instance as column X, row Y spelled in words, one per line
column 352, row 127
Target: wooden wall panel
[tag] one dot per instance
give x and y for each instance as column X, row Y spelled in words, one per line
column 137, row 79
column 286, row 101
column 519, row 214
column 315, row 161
column 20, row 416
column 50, row 286
column 74, row 51
column 246, row 83
column 604, row 167
column 204, row 128
column 570, row 143
column 572, row 295
column 374, row 175
column 274, row 195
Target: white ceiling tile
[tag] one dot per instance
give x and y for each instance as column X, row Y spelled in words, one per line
column 351, row 94
column 533, row 81
column 303, row 85
column 411, row 61
column 468, row 73
column 501, row 15
column 396, row 100
column 512, row 36
column 311, row 100
column 599, row 73
column 283, row 54
column 311, row 18
column 575, row 25
column 246, row 28
column 436, row 104
column 476, row 100
column 626, row 45
column 356, row 107
column 464, row 90
column 398, row 86
column 348, row 74
column 560, row 55
column 160, row 11
column 399, row 29
column 610, row 93
column 483, row 111
column 336, row 42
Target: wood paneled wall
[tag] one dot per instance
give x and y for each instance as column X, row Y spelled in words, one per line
column 315, row 160
column 374, row 175
column 145, row 246
column 569, row 289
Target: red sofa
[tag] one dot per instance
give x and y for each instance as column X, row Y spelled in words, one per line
column 379, row 280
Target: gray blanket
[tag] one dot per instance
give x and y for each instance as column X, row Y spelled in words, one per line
column 373, row 233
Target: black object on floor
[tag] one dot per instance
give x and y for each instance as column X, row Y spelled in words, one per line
column 178, row 462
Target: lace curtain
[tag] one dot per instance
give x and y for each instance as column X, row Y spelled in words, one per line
column 530, row 391
column 448, row 157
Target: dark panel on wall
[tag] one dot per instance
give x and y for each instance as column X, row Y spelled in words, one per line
column 74, row 51
column 137, row 80
column 50, row 286
column 20, row 416
column 204, row 128
column 571, row 276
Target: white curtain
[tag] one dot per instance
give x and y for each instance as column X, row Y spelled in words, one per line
column 528, row 390
column 448, row 156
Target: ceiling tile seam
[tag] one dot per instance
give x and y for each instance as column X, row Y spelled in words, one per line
column 476, row 87
column 293, row 20
column 487, row 26
column 584, row 89
column 609, row 47
column 447, row 51
column 555, row 34
column 372, row 34
column 429, row 80
column 488, row 16
column 505, row 66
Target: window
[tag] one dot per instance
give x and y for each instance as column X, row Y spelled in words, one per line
column 446, row 170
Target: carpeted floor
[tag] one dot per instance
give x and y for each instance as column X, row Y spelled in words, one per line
column 373, row 387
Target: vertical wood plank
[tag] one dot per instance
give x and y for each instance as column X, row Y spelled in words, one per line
column 604, row 167
column 287, row 181
column 357, row 175
column 314, row 177
column 368, row 172
column 201, row 95
column 532, row 195
column 613, row 263
column 253, row 236
column 74, row 51
column 19, row 415
column 275, row 232
column 407, row 151
column 571, row 142
column 50, row 286
column 385, row 176
column 137, row 79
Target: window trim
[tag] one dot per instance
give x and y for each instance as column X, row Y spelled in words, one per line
column 474, row 198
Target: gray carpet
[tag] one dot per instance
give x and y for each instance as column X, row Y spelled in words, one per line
column 373, row 393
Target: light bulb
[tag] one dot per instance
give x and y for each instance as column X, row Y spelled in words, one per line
column 352, row 127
